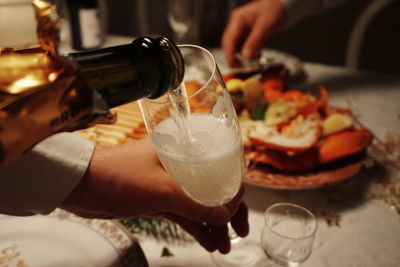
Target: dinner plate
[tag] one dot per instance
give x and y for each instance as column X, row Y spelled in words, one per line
column 63, row 239
column 259, row 177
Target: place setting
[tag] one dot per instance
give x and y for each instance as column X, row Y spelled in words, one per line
column 315, row 147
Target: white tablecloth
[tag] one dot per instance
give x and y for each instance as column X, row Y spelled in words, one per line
column 368, row 234
column 368, row 237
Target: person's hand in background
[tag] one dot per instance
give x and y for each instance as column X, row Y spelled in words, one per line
column 128, row 180
column 250, row 26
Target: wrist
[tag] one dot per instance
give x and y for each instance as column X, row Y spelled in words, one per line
column 91, row 190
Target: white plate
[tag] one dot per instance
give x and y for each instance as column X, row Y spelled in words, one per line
column 62, row 239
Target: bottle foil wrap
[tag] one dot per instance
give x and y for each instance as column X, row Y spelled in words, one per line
column 40, row 92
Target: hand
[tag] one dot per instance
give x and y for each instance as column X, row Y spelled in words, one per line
column 128, row 180
column 250, row 26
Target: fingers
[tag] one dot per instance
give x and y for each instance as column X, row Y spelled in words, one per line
column 214, row 237
column 233, row 37
column 208, row 236
column 254, row 42
column 264, row 27
column 199, row 231
column 178, row 203
column 221, row 238
column 250, row 26
column 240, row 222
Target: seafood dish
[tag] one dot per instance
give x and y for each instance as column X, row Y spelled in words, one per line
column 292, row 139
column 295, row 134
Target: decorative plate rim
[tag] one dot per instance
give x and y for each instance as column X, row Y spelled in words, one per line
column 119, row 238
column 304, row 181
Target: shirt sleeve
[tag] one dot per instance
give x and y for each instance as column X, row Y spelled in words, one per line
column 40, row 180
column 299, row 9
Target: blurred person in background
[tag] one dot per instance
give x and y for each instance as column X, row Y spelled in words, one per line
column 253, row 23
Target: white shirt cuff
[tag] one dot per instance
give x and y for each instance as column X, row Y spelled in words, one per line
column 39, row 181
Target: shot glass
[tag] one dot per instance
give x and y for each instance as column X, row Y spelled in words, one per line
column 288, row 233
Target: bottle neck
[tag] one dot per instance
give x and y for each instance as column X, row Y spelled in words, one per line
column 120, row 74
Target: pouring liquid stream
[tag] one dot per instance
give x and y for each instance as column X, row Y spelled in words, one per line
column 196, row 138
column 180, row 112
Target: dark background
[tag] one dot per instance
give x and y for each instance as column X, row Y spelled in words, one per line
column 320, row 38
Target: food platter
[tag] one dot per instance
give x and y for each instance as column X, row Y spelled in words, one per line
column 63, row 239
column 298, row 141
column 334, row 134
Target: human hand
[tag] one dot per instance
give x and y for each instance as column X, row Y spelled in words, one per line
column 128, row 180
column 250, row 26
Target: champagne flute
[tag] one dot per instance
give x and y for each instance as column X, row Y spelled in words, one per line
column 196, row 133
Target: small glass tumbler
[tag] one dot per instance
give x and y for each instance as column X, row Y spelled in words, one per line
column 288, row 233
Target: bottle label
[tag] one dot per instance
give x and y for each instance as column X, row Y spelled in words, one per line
column 90, row 27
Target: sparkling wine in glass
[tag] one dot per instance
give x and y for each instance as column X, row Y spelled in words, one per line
column 196, row 133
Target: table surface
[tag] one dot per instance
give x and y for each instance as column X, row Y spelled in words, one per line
column 366, row 232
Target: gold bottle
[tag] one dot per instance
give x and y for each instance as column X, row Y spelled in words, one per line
column 42, row 93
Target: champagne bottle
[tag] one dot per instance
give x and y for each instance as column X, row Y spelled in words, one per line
column 86, row 24
column 42, row 94
column 145, row 68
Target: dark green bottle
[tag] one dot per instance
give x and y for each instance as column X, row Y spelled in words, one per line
column 145, row 68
